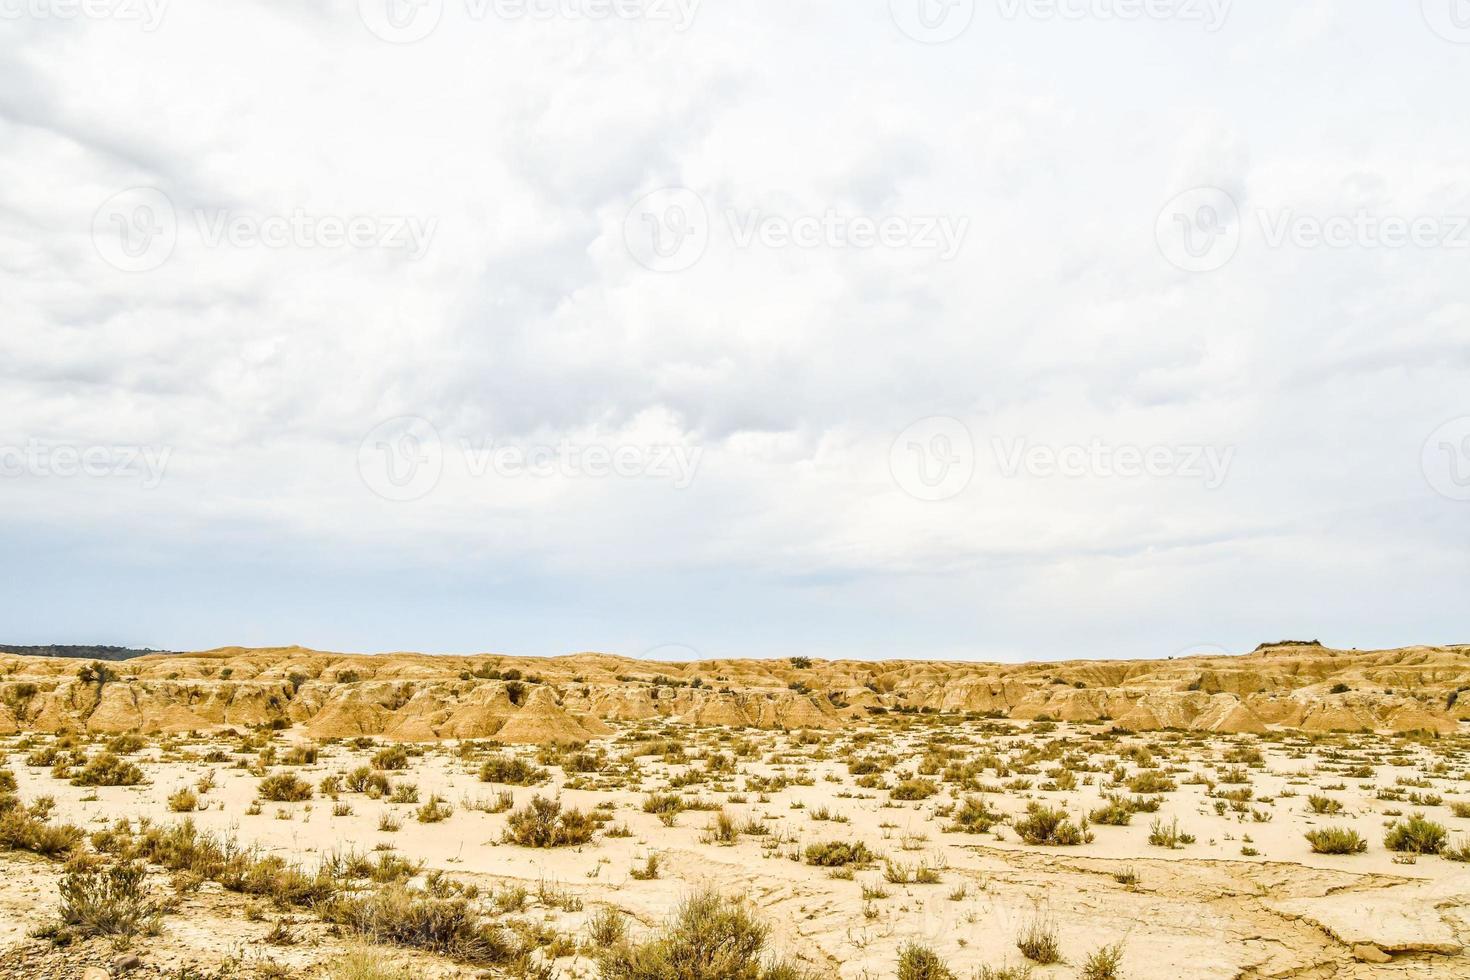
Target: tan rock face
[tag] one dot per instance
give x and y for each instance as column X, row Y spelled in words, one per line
column 415, row 697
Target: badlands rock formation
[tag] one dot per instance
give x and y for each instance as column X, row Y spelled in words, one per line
column 413, row 697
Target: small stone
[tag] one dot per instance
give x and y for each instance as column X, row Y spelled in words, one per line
column 1370, row 954
column 95, row 973
column 125, row 963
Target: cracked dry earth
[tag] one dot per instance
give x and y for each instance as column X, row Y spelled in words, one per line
column 1240, row 894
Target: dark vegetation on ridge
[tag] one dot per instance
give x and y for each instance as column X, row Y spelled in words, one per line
column 79, row 652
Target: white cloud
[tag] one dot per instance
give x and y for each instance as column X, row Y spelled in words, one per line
column 790, row 370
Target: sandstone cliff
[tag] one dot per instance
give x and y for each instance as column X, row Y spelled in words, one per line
column 414, row 697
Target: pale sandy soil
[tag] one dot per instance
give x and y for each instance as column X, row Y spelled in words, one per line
column 1205, row 910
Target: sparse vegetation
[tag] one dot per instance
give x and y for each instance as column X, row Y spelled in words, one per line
column 709, row 936
column 1336, row 840
column 284, row 787
column 1416, row 835
column 543, row 823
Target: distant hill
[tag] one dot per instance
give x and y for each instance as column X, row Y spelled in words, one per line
column 78, row 652
column 413, row 697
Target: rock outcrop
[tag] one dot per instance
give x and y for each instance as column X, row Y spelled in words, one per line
column 415, row 697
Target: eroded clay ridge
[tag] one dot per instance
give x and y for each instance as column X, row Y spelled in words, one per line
column 415, row 697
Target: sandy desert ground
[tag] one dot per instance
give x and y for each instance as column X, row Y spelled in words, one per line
column 897, row 843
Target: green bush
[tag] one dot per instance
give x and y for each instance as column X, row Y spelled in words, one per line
column 1320, row 803
column 973, row 817
column 447, row 926
column 1416, row 835
column 543, row 823
column 1038, row 941
column 836, row 854
column 914, row 789
column 392, row 759
column 511, row 771
column 607, row 928
column 110, row 901
column 1169, row 835
column 1104, row 964
column 364, row 780
column 126, row 744
column 1049, row 827
column 21, row 831
column 917, row 962
column 1336, row 840
column 108, row 770
column 1150, row 783
column 284, row 787
column 1115, row 812
column 709, row 937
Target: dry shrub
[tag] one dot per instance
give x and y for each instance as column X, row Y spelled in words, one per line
column 107, row 901
column 1416, row 835
column 511, row 771
column 709, row 936
column 1336, row 840
column 543, row 823
column 284, row 787
column 917, row 962
column 108, row 770
column 836, row 854
column 1049, row 827
column 1038, row 941
column 447, row 926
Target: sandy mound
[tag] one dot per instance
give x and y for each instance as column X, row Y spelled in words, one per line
column 1228, row 716
column 542, row 720
column 423, row 698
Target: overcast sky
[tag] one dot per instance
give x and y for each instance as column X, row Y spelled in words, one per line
column 996, row 330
